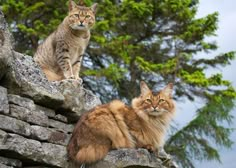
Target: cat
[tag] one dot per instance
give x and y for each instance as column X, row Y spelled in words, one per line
column 60, row 55
column 116, row 125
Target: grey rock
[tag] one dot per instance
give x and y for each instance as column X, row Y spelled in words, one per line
column 25, row 78
column 25, row 147
column 6, row 38
column 4, row 106
column 5, row 59
column 49, row 135
column 10, row 162
column 123, row 158
column 33, row 117
column 29, row 104
column 49, row 112
column 60, row 126
column 6, row 42
column 61, row 118
column 3, row 137
column 21, row 101
column 167, row 159
column 44, row 153
column 5, row 166
column 55, row 155
column 14, row 125
column 40, row 133
column 90, row 100
column 77, row 99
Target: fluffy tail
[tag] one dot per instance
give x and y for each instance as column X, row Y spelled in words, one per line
column 91, row 153
column 52, row 76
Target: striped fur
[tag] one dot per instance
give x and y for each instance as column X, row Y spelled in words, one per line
column 116, row 125
column 60, row 55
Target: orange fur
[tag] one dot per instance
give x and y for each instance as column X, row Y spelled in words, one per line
column 116, row 125
column 52, row 76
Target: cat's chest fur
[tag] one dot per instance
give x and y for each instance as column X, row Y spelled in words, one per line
column 75, row 44
column 148, row 132
column 77, row 48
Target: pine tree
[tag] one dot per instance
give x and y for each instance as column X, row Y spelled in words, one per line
column 157, row 41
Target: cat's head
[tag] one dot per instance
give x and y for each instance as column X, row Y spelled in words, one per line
column 80, row 17
column 154, row 104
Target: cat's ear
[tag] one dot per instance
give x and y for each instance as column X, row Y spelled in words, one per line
column 72, row 5
column 168, row 90
column 94, row 8
column 144, row 88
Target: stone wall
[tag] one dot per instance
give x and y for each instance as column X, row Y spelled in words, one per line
column 37, row 117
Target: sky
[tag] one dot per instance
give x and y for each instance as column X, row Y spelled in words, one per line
column 226, row 40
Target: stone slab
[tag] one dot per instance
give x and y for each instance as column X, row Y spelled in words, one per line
column 123, row 158
column 10, row 162
column 4, row 106
column 21, row 101
column 49, row 135
column 26, row 79
column 49, row 112
column 10, row 124
column 5, row 166
column 77, row 98
column 60, row 126
column 30, row 116
column 6, row 47
column 44, row 153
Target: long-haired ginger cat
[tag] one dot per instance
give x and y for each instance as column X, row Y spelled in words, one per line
column 60, row 55
column 116, row 125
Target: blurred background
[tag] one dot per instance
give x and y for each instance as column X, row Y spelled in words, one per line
column 226, row 40
column 187, row 42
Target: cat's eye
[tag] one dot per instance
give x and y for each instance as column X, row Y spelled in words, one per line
column 161, row 100
column 76, row 15
column 87, row 16
column 149, row 100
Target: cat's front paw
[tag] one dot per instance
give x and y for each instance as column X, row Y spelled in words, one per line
column 80, row 80
column 71, row 77
column 150, row 148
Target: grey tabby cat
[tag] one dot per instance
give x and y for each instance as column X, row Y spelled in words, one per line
column 60, row 55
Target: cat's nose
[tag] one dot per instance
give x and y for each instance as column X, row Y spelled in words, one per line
column 81, row 22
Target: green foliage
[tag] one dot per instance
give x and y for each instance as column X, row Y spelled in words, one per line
column 114, row 72
column 205, row 129
column 31, row 21
column 155, row 41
